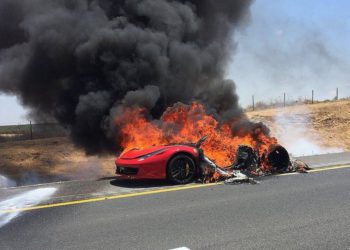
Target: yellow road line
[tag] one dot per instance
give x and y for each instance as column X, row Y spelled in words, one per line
column 329, row 168
column 319, row 170
column 120, row 196
column 158, row 191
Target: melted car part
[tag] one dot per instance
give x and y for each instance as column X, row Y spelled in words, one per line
column 238, row 178
column 299, row 166
column 246, row 158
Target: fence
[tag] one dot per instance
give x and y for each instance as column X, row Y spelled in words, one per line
column 31, row 131
column 286, row 100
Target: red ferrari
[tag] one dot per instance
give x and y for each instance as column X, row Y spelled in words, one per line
column 180, row 164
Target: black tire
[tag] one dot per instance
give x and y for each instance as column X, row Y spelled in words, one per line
column 278, row 158
column 181, row 169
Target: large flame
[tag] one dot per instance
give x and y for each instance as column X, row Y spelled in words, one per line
column 187, row 123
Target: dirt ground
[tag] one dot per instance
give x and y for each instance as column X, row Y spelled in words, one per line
column 54, row 159
column 326, row 123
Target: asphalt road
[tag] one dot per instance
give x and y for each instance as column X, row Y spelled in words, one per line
column 316, row 161
column 305, row 211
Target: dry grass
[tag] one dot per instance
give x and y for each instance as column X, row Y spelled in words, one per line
column 54, row 158
column 328, row 122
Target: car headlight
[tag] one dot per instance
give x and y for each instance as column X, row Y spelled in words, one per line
column 144, row 157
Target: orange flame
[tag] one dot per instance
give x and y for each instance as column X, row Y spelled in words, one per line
column 187, row 123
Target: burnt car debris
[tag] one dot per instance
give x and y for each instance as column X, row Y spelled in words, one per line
column 249, row 163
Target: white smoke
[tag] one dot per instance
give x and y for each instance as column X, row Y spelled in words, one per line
column 294, row 131
column 30, row 198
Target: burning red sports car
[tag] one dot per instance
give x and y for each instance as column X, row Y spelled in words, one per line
column 182, row 163
column 178, row 163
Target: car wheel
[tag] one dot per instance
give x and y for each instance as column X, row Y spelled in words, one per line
column 181, row 169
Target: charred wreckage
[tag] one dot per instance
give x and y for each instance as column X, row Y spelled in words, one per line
column 249, row 164
column 184, row 163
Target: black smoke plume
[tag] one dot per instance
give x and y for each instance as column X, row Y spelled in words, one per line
column 77, row 61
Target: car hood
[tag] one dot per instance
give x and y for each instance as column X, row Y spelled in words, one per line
column 136, row 153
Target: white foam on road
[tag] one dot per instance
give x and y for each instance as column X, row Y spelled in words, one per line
column 26, row 199
column 6, row 182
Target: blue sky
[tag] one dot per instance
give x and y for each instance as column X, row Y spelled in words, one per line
column 290, row 46
column 293, row 46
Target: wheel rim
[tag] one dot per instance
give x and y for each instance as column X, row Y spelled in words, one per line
column 182, row 170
